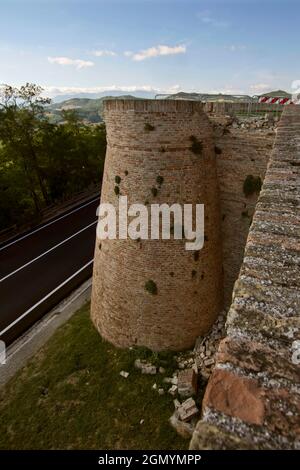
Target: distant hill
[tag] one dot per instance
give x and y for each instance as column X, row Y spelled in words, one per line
column 112, row 93
column 90, row 110
column 208, row 97
column 279, row 93
column 87, row 109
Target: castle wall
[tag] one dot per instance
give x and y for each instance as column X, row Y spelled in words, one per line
column 253, row 396
column 240, row 153
column 222, row 108
column 189, row 287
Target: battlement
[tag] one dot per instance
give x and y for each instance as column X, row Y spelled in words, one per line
column 153, row 106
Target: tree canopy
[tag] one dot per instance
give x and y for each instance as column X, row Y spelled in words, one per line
column 41, row 162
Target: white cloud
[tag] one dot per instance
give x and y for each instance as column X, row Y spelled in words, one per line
column 128, row 53
column 78, row 63
column 104, row 53
column 227, row 91
column 206, row 18
column 236, row 47
column 52, row 91
column 260, row 87
column 160, row 50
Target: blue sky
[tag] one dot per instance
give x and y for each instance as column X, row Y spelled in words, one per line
column 238, row 46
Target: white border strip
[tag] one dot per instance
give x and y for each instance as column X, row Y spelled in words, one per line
column 49, row 223
column 46, row 252
column 44, row 298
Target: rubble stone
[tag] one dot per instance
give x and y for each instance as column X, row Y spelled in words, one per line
column 145, row 367
column 173, row 390
column 184, row 429
column 187, row 383
column 188, row 410
column 124, row 374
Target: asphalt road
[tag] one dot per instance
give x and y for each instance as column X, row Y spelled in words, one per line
column 40, row 268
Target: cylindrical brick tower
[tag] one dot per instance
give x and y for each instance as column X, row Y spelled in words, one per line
column 155, row 293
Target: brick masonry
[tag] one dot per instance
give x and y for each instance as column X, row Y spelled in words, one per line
column 253, row 396
column 147, row 139
column 243, row 153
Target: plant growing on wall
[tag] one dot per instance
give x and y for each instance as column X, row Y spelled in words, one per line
column 117, row 190
column 154, row 192
column 252, row 184
column 148, row 127
column 245, row 214
column 118, row 179
column 151, row 287
column 197, row 146
column 159, row 180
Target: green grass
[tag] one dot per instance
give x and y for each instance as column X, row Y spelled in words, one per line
column 71, row 396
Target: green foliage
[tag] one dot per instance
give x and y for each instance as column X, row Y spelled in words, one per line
column 118, row 179
column 42, row 163
column 245, row 214
column 197, row 146
column 53, row 402
column 151, row 287
column 154, row 191
column 252, row 185
column 117, row 190
column 148, row 127
column 160, row 180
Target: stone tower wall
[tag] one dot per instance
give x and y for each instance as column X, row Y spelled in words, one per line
column 189, row 287
column 252, row 400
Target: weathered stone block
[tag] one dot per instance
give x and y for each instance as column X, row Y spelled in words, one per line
column 187, row 383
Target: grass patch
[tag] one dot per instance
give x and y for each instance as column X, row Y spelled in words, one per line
column 71, row 396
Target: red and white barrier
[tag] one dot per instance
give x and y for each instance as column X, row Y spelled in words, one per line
column 275, row 100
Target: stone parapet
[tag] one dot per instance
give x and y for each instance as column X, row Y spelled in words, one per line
column 253, row 396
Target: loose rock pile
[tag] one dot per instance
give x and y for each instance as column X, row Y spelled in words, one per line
column 223, row 124
column 194, row 367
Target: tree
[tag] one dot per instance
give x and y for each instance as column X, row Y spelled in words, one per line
column 21, row 117
column 42, row 162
